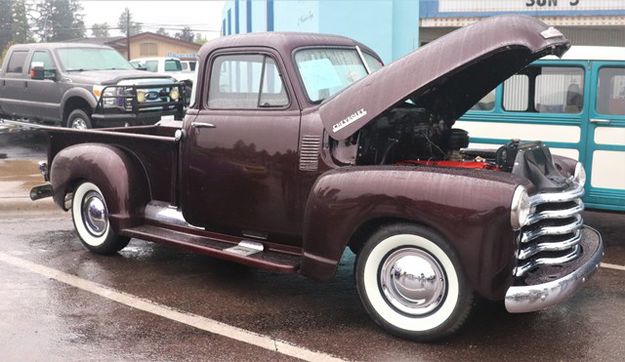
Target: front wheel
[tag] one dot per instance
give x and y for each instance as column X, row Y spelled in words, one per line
column 91, row 220
column 79, row 119
column 411, row 283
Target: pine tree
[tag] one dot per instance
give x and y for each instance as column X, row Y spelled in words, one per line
column 20, row 29
column 162, row 31
column 58, row 20
column 124, row 17
column 100, row 30
column 186, row 34
column 6, row 20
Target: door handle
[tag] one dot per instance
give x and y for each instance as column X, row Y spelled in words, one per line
column 202, row 125
column 599, row 121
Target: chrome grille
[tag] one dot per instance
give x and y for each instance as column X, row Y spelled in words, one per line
column 553, row 232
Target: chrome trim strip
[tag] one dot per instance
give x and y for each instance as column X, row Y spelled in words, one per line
column 550, row 246
column 528, row 236
column 531, row 298
column 520, row 270
column 556, row 214
column 564, row 196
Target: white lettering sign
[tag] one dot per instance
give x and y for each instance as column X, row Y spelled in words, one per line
column 349, row 120
column 478, row 6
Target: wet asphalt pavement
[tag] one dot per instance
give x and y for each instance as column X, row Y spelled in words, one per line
column 44, row 319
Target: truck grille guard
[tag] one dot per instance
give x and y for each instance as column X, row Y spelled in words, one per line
column 553, row 231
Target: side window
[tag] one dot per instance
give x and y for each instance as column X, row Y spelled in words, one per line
column 42, row 57
column 542, row 89
column 16, row 62
column 245, row 82
column 559, row 90
column 611, row 91
column 516, row 93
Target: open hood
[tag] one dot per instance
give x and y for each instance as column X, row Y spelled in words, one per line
column 447, row 76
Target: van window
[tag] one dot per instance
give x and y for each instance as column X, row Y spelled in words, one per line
column 16, row 63
column 516, row 93
column 539, row 89
column 611, row 91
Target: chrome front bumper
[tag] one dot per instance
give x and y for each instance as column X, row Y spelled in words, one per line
column 557, row 287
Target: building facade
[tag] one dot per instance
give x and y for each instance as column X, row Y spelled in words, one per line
column 395, row 27
column 388, row 27
column 584, row 22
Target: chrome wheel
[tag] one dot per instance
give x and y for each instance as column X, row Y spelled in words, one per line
column 79, row 123
column 413, row 281
column 94, row 214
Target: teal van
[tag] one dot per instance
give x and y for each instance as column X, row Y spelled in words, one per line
column 576, row 105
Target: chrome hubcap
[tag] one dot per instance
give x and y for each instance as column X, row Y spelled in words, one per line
column 79, row 123
column 413, row 281
column 94, row 214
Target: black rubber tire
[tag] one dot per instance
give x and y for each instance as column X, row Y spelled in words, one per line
column 453, row 310
column 79, row 114
column 106, row 244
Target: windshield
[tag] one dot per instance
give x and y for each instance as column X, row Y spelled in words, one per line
column 326, row 71
column 79, row 59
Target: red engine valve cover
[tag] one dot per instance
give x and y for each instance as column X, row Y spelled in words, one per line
column 454, row 164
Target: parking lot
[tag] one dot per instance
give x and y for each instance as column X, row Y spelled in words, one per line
column 152, row 302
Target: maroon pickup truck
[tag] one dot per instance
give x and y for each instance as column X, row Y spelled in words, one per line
column 299, row 146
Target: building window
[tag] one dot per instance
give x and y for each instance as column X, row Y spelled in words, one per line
column 148, row 49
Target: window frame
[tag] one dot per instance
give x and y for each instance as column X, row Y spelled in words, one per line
column 206, row 88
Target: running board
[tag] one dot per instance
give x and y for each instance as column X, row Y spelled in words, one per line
column 246, row 252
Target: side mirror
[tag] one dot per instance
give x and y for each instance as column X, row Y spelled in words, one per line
column 38, row 72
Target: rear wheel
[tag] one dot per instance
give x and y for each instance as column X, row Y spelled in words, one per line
column 79, row 119
column 91, row 220
column 411, row 283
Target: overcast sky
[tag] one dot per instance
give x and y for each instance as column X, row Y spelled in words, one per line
column 202, row 16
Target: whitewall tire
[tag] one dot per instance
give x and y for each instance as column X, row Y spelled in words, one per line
column 90, row 216
column 411, row 283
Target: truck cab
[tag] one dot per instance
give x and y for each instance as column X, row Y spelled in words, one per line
column 299, row 146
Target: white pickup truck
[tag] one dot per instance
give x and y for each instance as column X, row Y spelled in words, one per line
column 170, row 66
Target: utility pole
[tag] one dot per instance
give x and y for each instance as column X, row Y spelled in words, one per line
column 128, row 35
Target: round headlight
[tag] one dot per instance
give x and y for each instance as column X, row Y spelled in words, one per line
column 520, row 208
column 174, row 94
column 140, row 96
column 580, row 174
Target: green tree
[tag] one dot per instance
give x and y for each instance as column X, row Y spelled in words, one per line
column 200, row 39
column 20, row 28
column 162, row 31
column 186, row 34
column 58, row 20
column 6, row 20
column 100, row 30
column 125, row 22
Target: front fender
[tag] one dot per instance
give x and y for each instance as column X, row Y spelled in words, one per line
column 470, row 209
column 118, row 176
column 79, row 93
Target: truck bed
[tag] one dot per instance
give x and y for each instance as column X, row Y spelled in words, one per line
column 153, row 147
